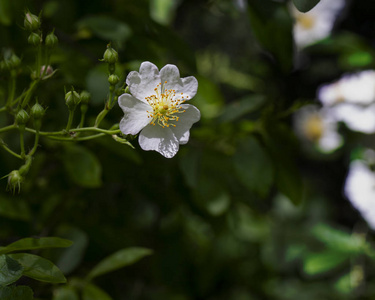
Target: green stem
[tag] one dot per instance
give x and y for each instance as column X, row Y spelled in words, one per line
column 29, row 93
column 104, row 112
column 22, row 143
column 9, row 150
column 25, row 168
column 7, row 128
column 76, row 139
column 70, row 120
column 12, row 89
column 36, row 140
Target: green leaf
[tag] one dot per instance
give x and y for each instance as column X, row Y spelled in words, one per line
column 339, row 240
column 82, row 166
column 305, row 5
column 39, row 268
column 14, row 208
column 65, row 293
column 209, row 97
column 253, row 166
column 36, row 243
column 189, row 166
column 92, row 292
column 240, row 108
column 272, row 26
column 16, row 293
column 105, row 27
column 71, row 257
column 5, row 12
column 119, row 260
column 317, row 263
column 282, row 150
column 163, row 11
column 10, row 270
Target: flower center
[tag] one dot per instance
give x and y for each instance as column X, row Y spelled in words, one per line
column 165, row 106
column 306, row 21
column 313, row 128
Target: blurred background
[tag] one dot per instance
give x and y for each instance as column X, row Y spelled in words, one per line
column 253, row 207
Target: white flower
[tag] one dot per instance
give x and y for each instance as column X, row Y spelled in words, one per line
column 356, row 117
column 351, row 100
column 357, row 88
column 317, row 23
column 360, row 190
column 156, row 108
column 317, row 127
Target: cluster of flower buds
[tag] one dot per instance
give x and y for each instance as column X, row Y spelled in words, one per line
column 10, row 62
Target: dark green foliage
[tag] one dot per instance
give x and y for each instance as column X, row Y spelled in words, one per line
column 245, row 210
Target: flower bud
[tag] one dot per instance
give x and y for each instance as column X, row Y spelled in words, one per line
column 110, row 55
column 31, row 22
column 72, row 99
column 34, row 39
column 113, row 79
column 45, row 71
column 85, row 97
column 14, row 181
column 22, row 117
column 37, row 111
column 14, row 61
column 51, row 40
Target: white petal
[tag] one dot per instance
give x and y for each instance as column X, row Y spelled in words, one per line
column 142, row 84
column 360, row 190
column 159, row 139
column 171, row 75
column 186, row 120
column 135, row 114
column 359, row 87
column 188, row 85
column 329, row 94
column 357, row 118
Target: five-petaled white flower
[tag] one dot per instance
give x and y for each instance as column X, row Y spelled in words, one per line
column 156, row 108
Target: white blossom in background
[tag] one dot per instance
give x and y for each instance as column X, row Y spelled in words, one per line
column 156, row 108
column 351, row 100
column 317, row 23
column 360, row 190
column 317, row 126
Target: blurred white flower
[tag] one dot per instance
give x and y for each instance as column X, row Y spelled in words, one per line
column 360, row 190
column 318, row 127
column 357, row 88
column 156, row 108
column 317, row 23
column 351, row 100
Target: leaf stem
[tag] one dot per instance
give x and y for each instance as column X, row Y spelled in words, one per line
column 2, row 144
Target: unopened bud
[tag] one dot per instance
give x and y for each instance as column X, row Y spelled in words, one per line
column 85, row 97
column 31, row 22
column 34, row 39
column 110, row 55
column 37, row 111
column 113, row 79
column 51, row 40
column 14, row 61
column 14, row 181
column 45, row 71
column 72, row 99
column 22, row 117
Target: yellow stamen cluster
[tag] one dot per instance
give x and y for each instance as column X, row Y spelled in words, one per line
column 165, row 105
column 306, row 21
